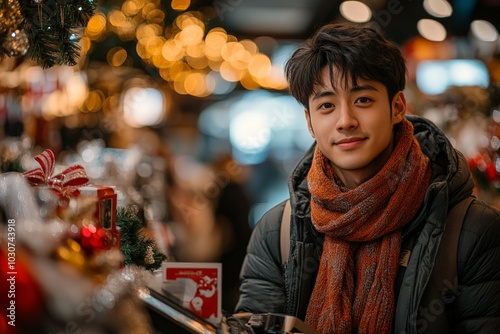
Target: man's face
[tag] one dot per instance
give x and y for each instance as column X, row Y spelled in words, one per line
column 353, row 126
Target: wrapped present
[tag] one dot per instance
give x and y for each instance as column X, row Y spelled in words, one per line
column 65, row 184
column 105, row 213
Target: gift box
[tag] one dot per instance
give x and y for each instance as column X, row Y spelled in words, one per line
column 65, row 184
column 105, row 213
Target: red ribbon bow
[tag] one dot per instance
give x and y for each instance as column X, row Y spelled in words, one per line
column 66, row 182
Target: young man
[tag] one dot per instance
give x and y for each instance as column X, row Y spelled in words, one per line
column 375, row 183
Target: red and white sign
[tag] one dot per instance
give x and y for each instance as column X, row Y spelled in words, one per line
column 197, row 285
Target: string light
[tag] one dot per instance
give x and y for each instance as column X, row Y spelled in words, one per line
column 186, row 41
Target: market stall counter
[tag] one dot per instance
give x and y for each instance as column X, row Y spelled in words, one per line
column 170, row 316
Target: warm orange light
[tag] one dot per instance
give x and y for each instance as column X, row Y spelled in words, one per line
column 131, row 8
column 183, row 52
column 194, row 84
column 191, row 35
column 160, row 62
column 243, row 62
column 197, row 62
column 117, row 18
column 116, row 56
column 147, row 9
column 229, row 73
column 154, row 45
column 277, row 78
column 249, row 83
column 214, row 64
column 196, row 50
column 94, row 101
column 165, row 74
column 155, row 16
column 179, row 83
column 250, row 46
column 216, row 38
column 178, row 68
column 189, row 19
column 145, row 31
column 141, row 50
column 172, row 50
column 97, row 23
column 110, row 104
column 85, row 44
column 96, row 26
column 232, row 51
column 260, row 66
column 180, row 5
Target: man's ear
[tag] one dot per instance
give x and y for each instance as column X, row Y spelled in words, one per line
column 398, row 107
column 308, row 119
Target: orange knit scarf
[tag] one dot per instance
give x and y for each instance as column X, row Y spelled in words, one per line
column 354, row 290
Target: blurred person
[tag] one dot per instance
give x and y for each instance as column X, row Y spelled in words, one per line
column 376, row 182
column 194, row 234
column 232, row 210
column 181, row 217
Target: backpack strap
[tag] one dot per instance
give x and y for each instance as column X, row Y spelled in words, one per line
column 285, row 233
column 442, row 288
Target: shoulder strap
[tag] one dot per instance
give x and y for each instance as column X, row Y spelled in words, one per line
column 285, row 233
column 449, row 242
column 444, row 277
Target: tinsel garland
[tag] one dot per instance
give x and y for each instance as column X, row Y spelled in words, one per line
column 49, row 27
column 136, row 247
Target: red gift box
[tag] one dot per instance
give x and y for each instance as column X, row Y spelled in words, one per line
column 105, row 213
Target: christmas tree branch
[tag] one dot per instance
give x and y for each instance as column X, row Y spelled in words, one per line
column 137, row 248
column 49, row 26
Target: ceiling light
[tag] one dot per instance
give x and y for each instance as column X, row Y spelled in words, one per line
column 355, row 11
column 438, row 8
column 431, row 30
column 484, row 30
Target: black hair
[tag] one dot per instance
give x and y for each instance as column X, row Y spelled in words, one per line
column 353, row 52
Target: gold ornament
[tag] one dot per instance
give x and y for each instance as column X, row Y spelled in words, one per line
column 149, row 256
column 10, row 15
column 70, row 251
column 16, row 43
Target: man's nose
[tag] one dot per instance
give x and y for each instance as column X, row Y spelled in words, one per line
column 346, row 118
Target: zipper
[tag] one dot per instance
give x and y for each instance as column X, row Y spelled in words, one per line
column 287, row 290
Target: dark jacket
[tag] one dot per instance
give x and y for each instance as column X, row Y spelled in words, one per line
column 268, row 287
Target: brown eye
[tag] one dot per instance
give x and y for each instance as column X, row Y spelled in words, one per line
column 364, row 100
